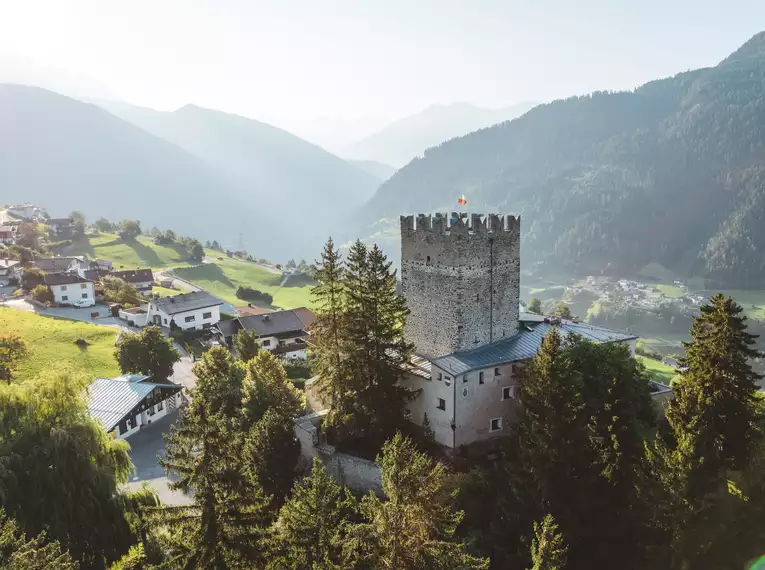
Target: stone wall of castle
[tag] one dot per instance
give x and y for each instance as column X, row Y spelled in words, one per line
column 461, row 280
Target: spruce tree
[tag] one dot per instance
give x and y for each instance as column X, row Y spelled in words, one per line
column 548, row 551
column 224, row 526
column 246, row 345
column 328, row 328
column 715, row 402
column 266, row 387
column 414, row 527
column 311, row 531
column 39, row 553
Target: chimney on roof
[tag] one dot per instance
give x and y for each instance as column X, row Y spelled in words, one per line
column 266, row 318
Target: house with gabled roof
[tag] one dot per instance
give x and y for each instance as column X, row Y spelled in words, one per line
column 71, row 288
column 125, row 404
column 141, row 279
column 10, row 270
column 282, row 332
column 197, row 310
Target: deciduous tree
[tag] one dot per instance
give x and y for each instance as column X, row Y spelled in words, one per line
column 535, row 306
column 148, row 352
column 12, row 350
column 246, row 345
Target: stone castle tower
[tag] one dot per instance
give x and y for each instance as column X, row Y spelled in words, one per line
column 461, row 280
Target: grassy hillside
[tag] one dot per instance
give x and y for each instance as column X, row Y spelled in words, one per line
column 142, row 253
column 223, row 277
column 50, row 343
column 656, row 370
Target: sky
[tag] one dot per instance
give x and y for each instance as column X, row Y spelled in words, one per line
column 366, row 62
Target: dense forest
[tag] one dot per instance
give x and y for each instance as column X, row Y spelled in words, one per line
column 671, row 172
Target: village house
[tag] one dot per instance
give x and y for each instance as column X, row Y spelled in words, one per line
column 197, row 310
column 92, row 269
column 10, row 270
column 281, row 332
column 125, row 404
column 461, row 281
column 61, row 228
column 8, row 234
column 24, row 211
column 71, row 289
column 141, row 279
column 55, row 264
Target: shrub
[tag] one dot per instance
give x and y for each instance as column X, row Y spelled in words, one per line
column 250, row 294
column 297, row 368
column 42, row 293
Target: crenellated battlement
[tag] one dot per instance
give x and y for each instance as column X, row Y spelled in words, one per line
column 459, row 223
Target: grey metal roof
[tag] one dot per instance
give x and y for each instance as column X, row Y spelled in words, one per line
column 229, row 327
column 523, row 345
column 273, row 324
column 64, row 279
column 111, row 399
column 186, row 302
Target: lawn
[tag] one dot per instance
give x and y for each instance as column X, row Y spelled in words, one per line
column 671, row 291
column 223, row 277
column 657, row 370
column 50, row 344
column 752, row 301
column 165, row 292
column 129, row 255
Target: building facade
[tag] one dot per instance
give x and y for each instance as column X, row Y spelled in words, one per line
column 70, row 288
column 461, row 282
column 197, row 310
column 10, row 270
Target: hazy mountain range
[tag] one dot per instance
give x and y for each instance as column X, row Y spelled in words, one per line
column 407, row 138
column 672, row 172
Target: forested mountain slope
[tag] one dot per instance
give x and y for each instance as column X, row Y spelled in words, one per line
column 673, row 172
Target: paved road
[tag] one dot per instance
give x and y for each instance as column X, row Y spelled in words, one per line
column 84, row 314
column 146, row 446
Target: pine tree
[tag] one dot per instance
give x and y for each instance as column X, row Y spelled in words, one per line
column 548, row 551
column 311, row 531
column 715, row 403
column 271, row 451
column 18, row 553
column 413, row 527
column 266, row 387
column 246, row 345
column 373, row 403
column 224, row 526
column 327, row 330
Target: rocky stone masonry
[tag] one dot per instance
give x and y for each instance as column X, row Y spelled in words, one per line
column 461, row 279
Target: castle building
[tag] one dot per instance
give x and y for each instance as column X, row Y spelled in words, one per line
column 461, row 279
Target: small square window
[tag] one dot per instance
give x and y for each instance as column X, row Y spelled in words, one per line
column 207, row 315
column 64, row 298
column 495, row 424
column 441, row 404
column 84, row 295
column 508, row 393
column 267, row 342
column 439, row 377
column 480, row 377
column 190, row 319
column 63, row 287
column 83, row 285
column 496, row 372
column 465, row 379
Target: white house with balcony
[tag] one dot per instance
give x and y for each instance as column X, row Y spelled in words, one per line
column 282, row 332
column 127, row 403
column 70, row 288
column 189, row 311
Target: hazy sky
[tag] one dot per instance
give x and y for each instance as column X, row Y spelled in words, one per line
column 292, row 60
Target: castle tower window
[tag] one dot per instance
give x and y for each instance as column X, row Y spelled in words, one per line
column 464, row 379
column 438, row 377
column 508, row 393
column 496, row 372
column 441, row 404
column 480, row 377
column 495, row 424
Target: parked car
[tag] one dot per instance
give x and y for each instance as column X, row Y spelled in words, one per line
column 82, row 303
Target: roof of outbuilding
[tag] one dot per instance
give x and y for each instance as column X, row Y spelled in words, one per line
column 54, row 263
column 8, row 263
column 134, row 275
column 229, row 327
column 523, row 345
column 111, row 399
column 64, row 279
column 252, row 310
column 273, row 324
column 186, row 302
column 306, row 315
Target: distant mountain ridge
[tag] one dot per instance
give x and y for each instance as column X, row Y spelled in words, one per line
column 205, row 173
column 673, row 172
column 405, row 139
